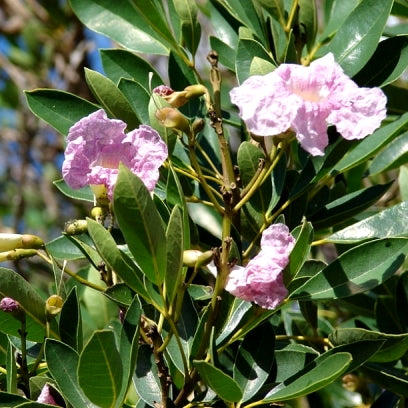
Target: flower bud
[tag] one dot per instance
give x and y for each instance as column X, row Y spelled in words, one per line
column 9, row 305
column 76, row 227
column 180, row 98
column 172, row 118
column 198, row 125
column 14, row 241
column 53, row 305
column 193, row 257
column 17, row 254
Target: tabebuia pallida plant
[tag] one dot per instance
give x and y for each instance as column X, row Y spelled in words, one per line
column 238, row 250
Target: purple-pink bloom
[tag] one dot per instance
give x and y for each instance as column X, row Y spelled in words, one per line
column 261, row 280
column 9, row 305
column 308, row 99
column 46, row 397
column 96, row 145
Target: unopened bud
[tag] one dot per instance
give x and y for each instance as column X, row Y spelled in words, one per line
column 17, row 254
column 174, row 119
column 198, row 125
column 15, row 241
column 98, row 213
column 11, row 306
column 53, row 305
column 180, row 98
column 195, row 91
column 193, row 257
column 76, row 227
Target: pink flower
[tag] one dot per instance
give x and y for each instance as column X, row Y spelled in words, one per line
column 261, row 281
column 96, row 145
column 9, row 305
column 308, row 99
column 46, row 397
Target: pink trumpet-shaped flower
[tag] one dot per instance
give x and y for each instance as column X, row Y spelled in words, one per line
column 96, row 145
column 308, row 99
column 261, row 280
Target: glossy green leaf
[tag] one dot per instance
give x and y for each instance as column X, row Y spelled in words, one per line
column 254, row 360
column 120, row 293
column 387, row 63
column 187, row 11
column 11, row 368
column 129, row 344
column 86, row 246
column 111, row 98
column 223, row 385
column 116, row 259
column 146, row 379
column 308, row 21
column 275, row 8
column 100, row 370
column 121, row 22
column 391, row 222
column 345, row 207
column 62, row 248
column 62, row 362
column 175, row 247
column 118, row 63
column 141, row 225
column 226, row 54
column 8, row 400
column 83, row 194
column 70, row 323
column 356, row 40
column 316, row 375
column 16, row 287
column 245, row 63
column 138, row 98
column 376, row 262
column 392, row 156
column 394, row 347
column 372, row 144
column 300, row 252
column 59, row 109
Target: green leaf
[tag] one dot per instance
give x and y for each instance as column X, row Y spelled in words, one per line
column 111, row 98
column 146, row 379
column 63, row 249
column 316, row 375
column 394, row 155
column 175, row 247
column 59, row 109
column 360, row 269
column 245, row 66
column 100, row 370
column 223, row 385
column 254, row 360
column 122, row 22
column 70, row 323
column 308, row 21
column 387, row 63
column 190, row 27
column 62, row 362
column 129, row 343
column 226, row 54
column 11, row 368
column 118, row 64
column 347, row 206
column 16, row 287
column 116, row 259
column 356, row 40
column 391, row 222
column 84, row 193
column 141, row 225
column 8, row 400
column 394, row 347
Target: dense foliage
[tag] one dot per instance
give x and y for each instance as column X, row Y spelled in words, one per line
column 146, row 305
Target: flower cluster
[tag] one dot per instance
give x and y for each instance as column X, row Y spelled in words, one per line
column 306, row 100
column 261, row 280
column 96, row 145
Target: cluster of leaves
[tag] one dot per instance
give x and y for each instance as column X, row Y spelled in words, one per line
column 181, row 335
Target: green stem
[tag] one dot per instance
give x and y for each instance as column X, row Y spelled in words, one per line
column 292, row 15
column 24, row 368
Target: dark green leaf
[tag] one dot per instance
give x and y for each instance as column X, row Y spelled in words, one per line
column 122, row 22
column 62, row 248
column 387, row 63
column 70, row 323
column 59, row 109
column 84, row 193
column 100, row 370
column 391, row 222
column 10, row 400
column 394, row 347
column 141, row 225
column 223, row 385
column 62, row 362
column 357, row 270
column 308, row 21
column 111, row 98
column 356, row 40
column 254, row 360
column 316, row 375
